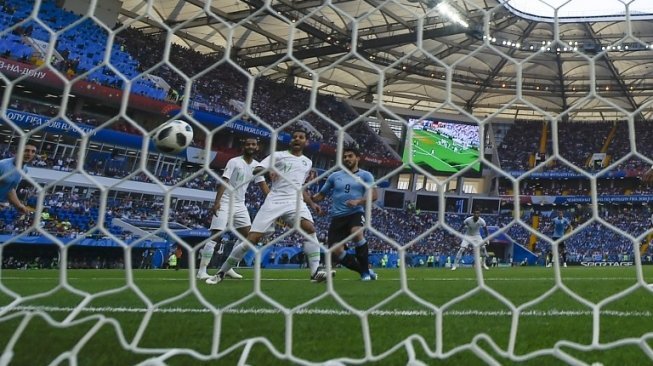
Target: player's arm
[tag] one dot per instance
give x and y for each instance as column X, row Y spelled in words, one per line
column 318, row 197
column 486, row 234
column 13, row 199
column 324, row 191
column 218, row 196
column 262, row 165
column 264, row 187
column 309, row 201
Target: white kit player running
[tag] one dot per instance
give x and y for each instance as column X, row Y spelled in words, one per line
column 472, row 227
column 291, row 168
column 238, row 174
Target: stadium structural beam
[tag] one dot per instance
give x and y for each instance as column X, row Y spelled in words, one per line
column 389, row 13
column 469, row 106
column 563, row 92
column 184, row 35
column 377, row 31
column 363, row 46
column 444, row 54
column 615, row 74
column 237, row 16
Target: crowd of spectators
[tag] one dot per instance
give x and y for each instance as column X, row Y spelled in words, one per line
column 577, row 187
column 577, row 140
column 68, row 215
column 522, row 140
column 224, row 90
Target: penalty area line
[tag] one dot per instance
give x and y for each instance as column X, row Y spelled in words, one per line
column 335, row 312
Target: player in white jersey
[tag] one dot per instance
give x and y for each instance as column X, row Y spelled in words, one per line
column 290, row 170
column 471, row 229
column 238, row 174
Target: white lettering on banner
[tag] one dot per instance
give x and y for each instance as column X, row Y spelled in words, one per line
column 606, row 264
column 372, row 160
column 35, row 121
column 22, row 70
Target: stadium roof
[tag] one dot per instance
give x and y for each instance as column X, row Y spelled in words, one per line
column 598, row 65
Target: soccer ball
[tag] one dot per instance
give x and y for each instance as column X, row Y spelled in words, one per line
column 173, row 137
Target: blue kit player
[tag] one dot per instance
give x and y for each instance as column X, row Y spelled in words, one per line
column 349, row 189
column 10, row 178
column 561, row 225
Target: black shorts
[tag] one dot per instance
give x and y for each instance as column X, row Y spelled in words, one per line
column 561, row 246
column 341, row 226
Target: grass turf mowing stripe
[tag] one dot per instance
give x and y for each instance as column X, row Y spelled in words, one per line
column 396, row 312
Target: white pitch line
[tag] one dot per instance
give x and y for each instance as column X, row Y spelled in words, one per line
column 336, row 312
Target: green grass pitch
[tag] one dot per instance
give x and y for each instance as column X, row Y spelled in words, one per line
column 427, row 151
column 324, row 329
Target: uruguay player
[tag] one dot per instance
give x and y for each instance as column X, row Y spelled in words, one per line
column 349, row 189
column 10, row 178
column 560, row 225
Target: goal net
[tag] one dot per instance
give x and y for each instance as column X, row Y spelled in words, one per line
column 530, row 116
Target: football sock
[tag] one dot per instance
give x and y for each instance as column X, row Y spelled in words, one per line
column 362, row 254
column 484, row 254
column 312, row 251
column 235, row 257
column 458, row 256
column 347, row 260
column 206, row 253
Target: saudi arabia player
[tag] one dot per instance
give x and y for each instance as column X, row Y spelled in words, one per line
column 291, row 168
column 238, row 173
column 471, row 229
column 561, row 225
column 10, row 178
column 349, row 190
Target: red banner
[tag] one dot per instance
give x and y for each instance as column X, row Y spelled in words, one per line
column 109, row 96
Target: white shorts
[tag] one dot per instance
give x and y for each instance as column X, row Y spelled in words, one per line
column 240, row 214
column 270, row 211
column 476, row 241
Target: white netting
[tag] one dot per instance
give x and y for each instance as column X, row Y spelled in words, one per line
column 112, row 85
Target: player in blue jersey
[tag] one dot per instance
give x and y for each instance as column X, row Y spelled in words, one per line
column 10, row 178
column 349, row 190
column 561, row 225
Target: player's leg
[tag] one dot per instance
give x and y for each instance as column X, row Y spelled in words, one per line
column 312, row 249
column 463, row 245
column 549, row 257
column 235, row 257
column 339, row 231
column 357, row 223
column 243, row 224
column 484, row 255
column 244, row 231
column 562, row 248
column 206, row 254
column 218, row 225
column 311, row 245
column 263, row 220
